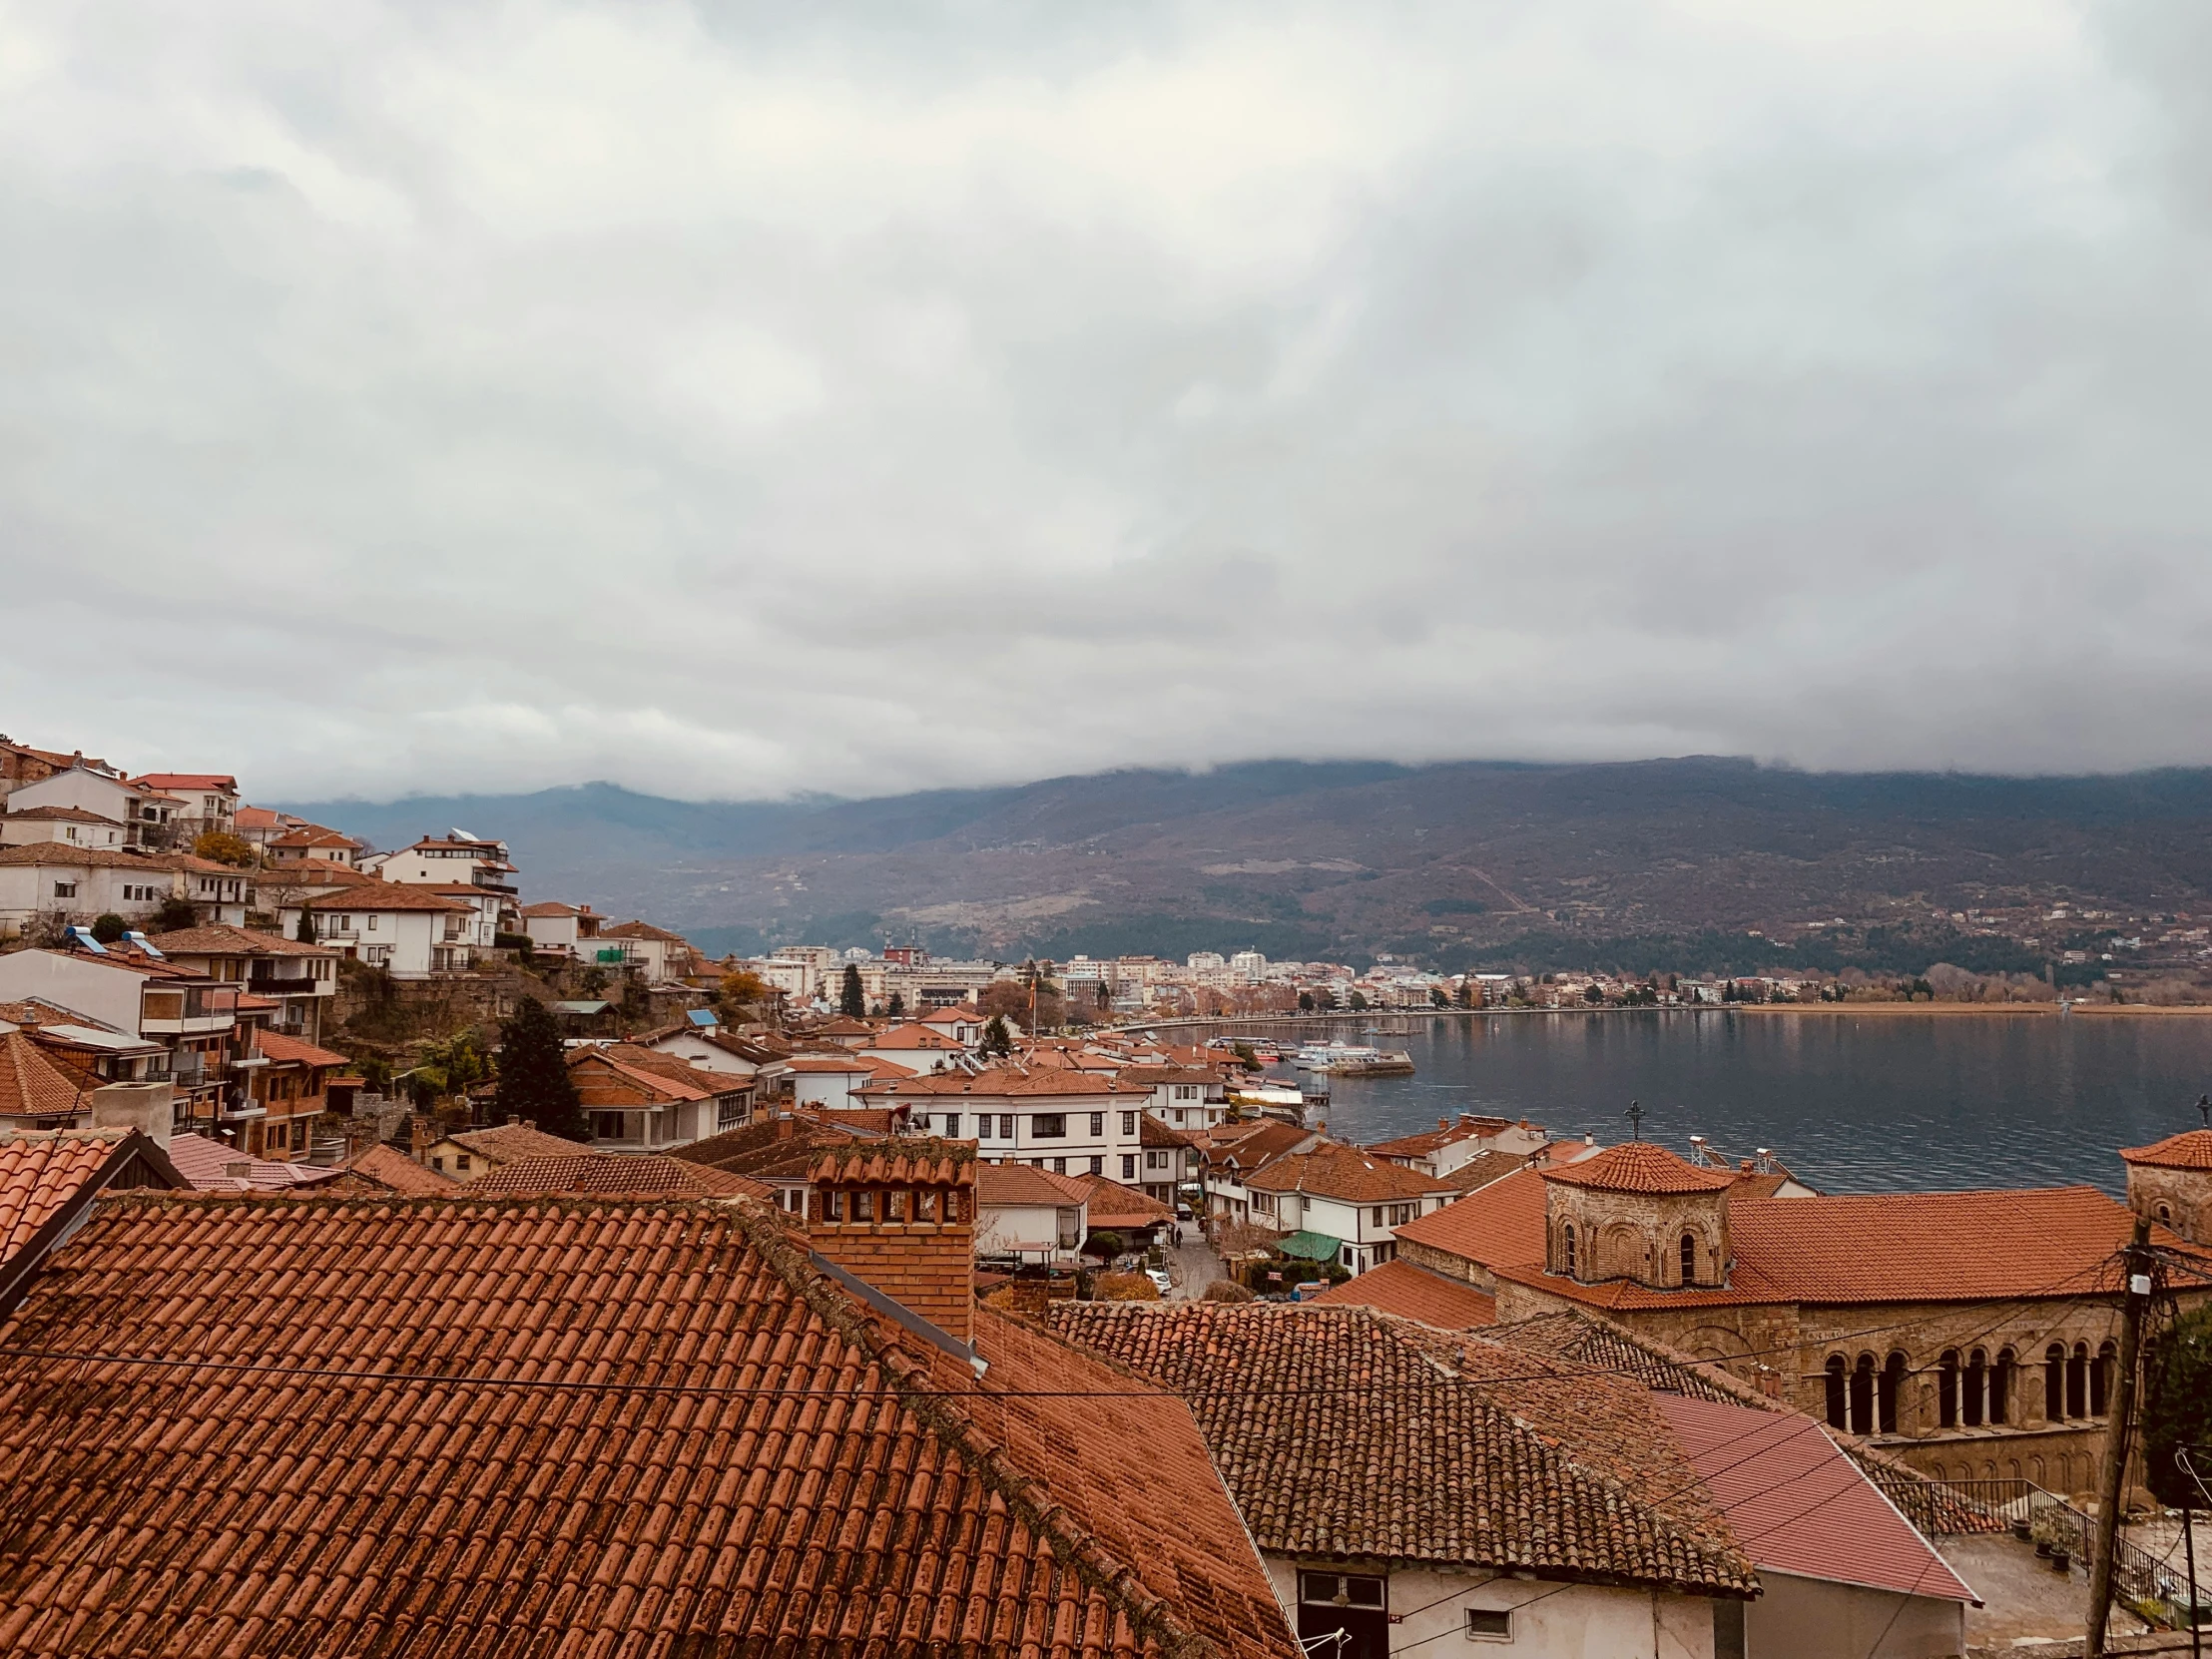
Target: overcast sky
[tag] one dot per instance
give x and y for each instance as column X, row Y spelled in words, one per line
column 426, row 397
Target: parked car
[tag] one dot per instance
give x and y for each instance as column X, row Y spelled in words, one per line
column 1159, row 1279
column 1183, row 1213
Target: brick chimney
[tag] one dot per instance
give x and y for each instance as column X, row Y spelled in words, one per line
column 421, row 1133
column 904, row 1223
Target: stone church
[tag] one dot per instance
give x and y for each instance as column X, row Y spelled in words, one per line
column 1971, row 1333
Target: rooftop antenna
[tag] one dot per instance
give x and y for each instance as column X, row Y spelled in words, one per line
column 1635, row 1116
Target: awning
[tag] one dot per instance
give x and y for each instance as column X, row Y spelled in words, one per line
column 1310, row 1247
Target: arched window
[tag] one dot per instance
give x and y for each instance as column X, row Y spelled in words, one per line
column 1837, row 1418
column 1862, row 1396
column 2001, row 1386
column 1947, row 1391
column 2054, row 1384
column 1892, row 1384
column 2077, row 1381
column 2100, row 1378
column 1689, row 1258
column 1975, row 1398
column 1566, row 1248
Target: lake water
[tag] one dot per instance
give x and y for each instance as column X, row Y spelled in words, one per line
column 1852, row 1103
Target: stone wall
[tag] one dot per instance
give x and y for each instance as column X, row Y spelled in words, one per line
column 2177, row 1198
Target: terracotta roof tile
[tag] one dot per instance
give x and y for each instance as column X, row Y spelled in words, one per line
column 211, row 1166
column 291, row 1051
column 1639, row 1167
column 2192, row 1149
column 1007, row 1083
column 1832, row 1250
column 39, row 1172
column 393, row 1170
column 1416, row 1294
column 1013, row 1186
column 33, row 1083
column 505, row 1142
column 488, row 1473
column 1342, row 1172
column 1340, row 1431
column 615, row 1174
column 222, row 939
column 61, row 814
column 383, row 896
column 1152, row 1132
column 1115, row 1206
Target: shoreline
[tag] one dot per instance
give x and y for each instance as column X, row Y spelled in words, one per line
column 1817, row 1011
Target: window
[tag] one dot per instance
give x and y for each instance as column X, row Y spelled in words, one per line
column 1129, row 1166
column 864, row 1205
column 2077, row 1381
column 1098, row 1166
column 1839, row 1411
column 1049, row 1126
column 729, row 1113
column 1892, row 1386
column 1486, row 1625
column 65, row 889
column 1330, row 1589
column 1689, row 1258
column 1154, row 1158
column 1375, row 1216
column 1098, row 1125
column 607, row 1126
column 2054, row 1384
column 1059, row 1166
column 372, row 925
column 1975, row 1398
column 953, row 1126
column 1006, row 1125
column 461, row 1162
column 2000, row 1386
column 1566, row 1248
column 1186, row 1091
column 1128, row 1123
column 2100, row 1378
column 438, row 1164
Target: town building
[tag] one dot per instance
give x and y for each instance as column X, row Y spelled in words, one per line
column 412, row 931
column 146, row 815
column 1027, row 1217
column 209, row 801
column 656, row 954
column 465, row 1154
column 71, row 826
column 1455, row 1142
column 455, row 858
column 562, row 929
column 1070, row 1122
column 637, row 1100
column 1168, row 1170
column 298, row 979
column 1336, row 1204
column 1970, row 1333
column 629, row 1518
column 301, row 841
column 194, row 1016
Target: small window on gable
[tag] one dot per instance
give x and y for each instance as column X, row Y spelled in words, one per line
column 1689, row 1258
column 1486, row 1625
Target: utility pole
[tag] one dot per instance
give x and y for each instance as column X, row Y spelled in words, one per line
column 2135, row 1289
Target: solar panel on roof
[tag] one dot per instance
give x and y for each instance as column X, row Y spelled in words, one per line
column 140, row 939
column 83, row 937
column 704, row 1016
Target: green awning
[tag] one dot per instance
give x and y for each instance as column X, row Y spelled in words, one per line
column 1310, row 1247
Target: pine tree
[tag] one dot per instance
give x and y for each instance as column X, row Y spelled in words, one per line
column 533, row 1074
column 898, row 1005
column 996, row 1038
column 304, row 932
column 851, row 999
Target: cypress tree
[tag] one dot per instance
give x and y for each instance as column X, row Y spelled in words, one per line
column 851, row 1000
column 533, row 1073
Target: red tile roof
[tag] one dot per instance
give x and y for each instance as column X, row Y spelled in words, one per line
column 915, row 1036
column 39, row 1173
column 1152, row 1132
column 1014, row 1186
column 1416, row 1294
column 549, row 907
column 1008, row 1082
column 34, row 1084
column 505, row 1142
column 615, row 1174
column 691, row 1440
column 61, row 814
column 1428, row 1141
column 640, row 931
column 393, row 1170
column 1343, row 1432
column 1115, row 1206
column 1829, row 1250
column 383, row 896
column 2192, row 1149
column 187, row 781
column 211, row 1166
column 1639, row 1167
column 1344, row 1172
column 222, row 939
column 291, row 1051
column 1798, row 1506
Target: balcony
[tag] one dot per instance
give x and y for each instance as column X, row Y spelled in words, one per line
column 294, row 982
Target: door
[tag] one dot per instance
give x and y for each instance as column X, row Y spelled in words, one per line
column 1350, row 1607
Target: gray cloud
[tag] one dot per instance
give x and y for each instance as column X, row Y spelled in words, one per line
column 740, row 400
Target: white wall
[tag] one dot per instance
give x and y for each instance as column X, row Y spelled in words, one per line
column 1809, row 1618
column 1580, row 1621
column 108, row 994
column 27, row 890
column 1007, row 1229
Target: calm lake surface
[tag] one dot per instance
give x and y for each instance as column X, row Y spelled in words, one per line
column 1865, row 1103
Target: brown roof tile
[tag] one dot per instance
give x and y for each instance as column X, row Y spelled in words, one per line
column 39, row 1172
column 1345, row 1173
column 1639, row 1167
column 222, row 939
column 1343, row 1432
column 505, row 1142
column 33, row 1083
column 1416, row 1294
column 2192, row 1149
column 615, row 1174
column 517, row 1446
column 394, row 1171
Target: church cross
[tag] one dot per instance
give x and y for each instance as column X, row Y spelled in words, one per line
column 1635, row 1116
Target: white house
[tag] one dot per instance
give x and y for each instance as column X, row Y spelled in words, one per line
column 1069, row 1122
column 1182, row 1097
column 653, row 951
column 1029, row 1215
column 1338, row 1196
column 80, row 884
column 190, row 1014
column 455, row 858
column 1453, row 1144
column 209, row 800
column 913, row 1049
column 412, row 931
column 145, row 813
column 562, row 929
column 71, row 826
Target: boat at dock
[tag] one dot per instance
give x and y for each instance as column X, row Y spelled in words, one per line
column 1342, row 1060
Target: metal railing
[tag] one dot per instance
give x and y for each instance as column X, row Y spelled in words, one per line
column 2137, row 1574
